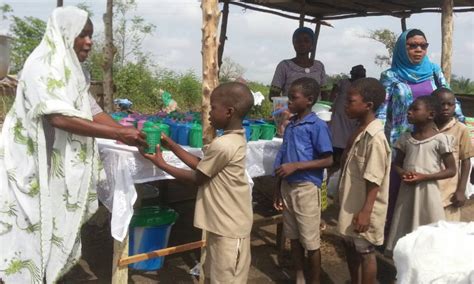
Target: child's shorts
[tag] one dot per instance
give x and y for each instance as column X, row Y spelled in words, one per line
column 227, row 260
column 360, row 244
column 302, row 213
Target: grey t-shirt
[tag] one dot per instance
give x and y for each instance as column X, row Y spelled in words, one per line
column 287, row 71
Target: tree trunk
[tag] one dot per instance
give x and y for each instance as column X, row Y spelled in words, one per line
column 59, row 3
column 109, row 52
column 447, row 37
column 210, row 69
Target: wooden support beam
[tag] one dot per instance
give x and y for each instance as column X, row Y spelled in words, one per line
column 447, row 37
column 302, row 13
column 161, row 252
column 403, row 21
column 223, row 35
column 317, row 29
column 398, row 14
column 309, row 20
column 210, row 66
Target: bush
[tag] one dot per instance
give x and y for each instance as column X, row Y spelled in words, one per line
column 266, row 108
column 136, row 82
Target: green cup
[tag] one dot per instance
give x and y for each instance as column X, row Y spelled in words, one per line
column 268, row 131
column 195, row 136
column 255, row 132
column 153, row 137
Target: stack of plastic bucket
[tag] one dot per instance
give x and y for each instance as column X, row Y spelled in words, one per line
column 150, row 230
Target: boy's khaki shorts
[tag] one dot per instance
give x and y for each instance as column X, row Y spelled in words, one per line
column 227, row 260
column 302, row 213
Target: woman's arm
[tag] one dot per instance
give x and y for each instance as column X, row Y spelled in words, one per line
column 79, row 126
column 104, row 118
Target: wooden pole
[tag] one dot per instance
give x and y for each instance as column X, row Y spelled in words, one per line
column 317, row 29
column 223, row 36
column 404, row 23
column 302, row 13
column 120, row 274
column 161, row 252
column 210, row 68
column 59, row 3
column 447, row 37
column 109, row 52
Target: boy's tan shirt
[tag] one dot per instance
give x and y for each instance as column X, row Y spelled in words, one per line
column 223, row 204
column 368, row 159
column 462, row 150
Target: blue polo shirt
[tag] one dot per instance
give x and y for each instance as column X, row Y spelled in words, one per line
column 305, row 140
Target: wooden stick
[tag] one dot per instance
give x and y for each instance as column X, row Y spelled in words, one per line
column 223, row 36
column 306, row 19
column 161, row 252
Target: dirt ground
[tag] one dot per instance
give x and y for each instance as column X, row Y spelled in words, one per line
column 267, row 266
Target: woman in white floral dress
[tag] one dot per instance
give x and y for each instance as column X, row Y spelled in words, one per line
column 49, row 161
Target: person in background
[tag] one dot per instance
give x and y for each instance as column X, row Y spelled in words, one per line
column 411, row 75
column 341, row 125
column 419, row 159
column 49, row 160
column 453, row 190
column 299, row 165
column 364, row 181
column 223, row 203
column 300, row 66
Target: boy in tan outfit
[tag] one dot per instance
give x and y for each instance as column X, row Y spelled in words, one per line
column 453, row 190
column 363, row 188
column 223, row 204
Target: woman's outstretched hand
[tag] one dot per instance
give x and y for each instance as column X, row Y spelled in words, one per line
column 131, row 137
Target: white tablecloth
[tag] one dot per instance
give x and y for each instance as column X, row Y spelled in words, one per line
column 125, row 166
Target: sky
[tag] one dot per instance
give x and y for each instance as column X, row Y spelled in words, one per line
column 259, row 41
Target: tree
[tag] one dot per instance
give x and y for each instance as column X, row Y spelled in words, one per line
column 5, row 9
column 130, row 31
column 388, row 39
column 108, row 58
column 230, row 70
column 461, row 85
column 27, row 34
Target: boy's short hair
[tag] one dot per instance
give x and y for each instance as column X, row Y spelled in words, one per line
column 431, row 102
column 308, row 87
column 442, row 90
column 237, row 95
column 371, row 90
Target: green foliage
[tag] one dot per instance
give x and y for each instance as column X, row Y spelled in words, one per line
column 265, row 109
column 186, row 88
column 27, row 33
column 135, row 81
column 461, row 85
column 5, row 9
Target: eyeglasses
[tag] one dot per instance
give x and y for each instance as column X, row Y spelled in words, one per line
column 423, row 46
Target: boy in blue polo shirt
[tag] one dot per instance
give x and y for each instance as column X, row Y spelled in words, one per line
column 305, row 152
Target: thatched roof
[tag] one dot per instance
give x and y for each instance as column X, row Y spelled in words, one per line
column 342, row 9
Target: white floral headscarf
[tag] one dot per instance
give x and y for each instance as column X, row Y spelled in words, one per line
column 42, row 208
